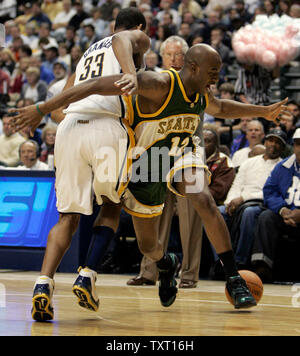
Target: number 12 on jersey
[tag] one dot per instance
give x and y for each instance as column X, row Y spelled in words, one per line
column 93, row 66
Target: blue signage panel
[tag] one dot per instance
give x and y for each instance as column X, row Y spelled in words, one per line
column 27, row 207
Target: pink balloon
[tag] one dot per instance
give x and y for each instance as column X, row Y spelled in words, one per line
column 268, row 60
column 290, row 31
column 251, row 50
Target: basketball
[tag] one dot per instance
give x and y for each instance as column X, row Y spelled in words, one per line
column 254, row 284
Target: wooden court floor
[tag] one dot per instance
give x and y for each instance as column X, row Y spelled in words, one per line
column 136, row 311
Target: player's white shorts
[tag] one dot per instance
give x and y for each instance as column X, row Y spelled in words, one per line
column 91, row 159
column 191, row 159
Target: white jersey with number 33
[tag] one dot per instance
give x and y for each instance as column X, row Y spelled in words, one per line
column 99, row 60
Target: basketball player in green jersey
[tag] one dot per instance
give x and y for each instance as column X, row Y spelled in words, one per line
column 155, row 97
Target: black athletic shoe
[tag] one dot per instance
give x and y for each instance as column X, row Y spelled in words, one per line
column 42, row 309
column 167, row 282
column 240, row 293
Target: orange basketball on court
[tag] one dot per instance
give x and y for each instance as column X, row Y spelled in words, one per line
column 254, row 284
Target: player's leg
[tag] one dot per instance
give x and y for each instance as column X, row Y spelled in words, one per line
column 147, row 233
column 194, row 186
column 108, row 154
column 59, row 240
column 104, row 230
column 74, row 196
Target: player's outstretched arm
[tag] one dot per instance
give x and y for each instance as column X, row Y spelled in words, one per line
column 230, row 109
column 31, row 116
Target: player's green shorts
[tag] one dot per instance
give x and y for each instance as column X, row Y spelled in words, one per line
column 146, row 199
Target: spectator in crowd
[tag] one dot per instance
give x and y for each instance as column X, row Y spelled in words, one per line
column 163, row 32
column 242, row 11
column 29, row 157
column 191, row 6
column 4, row 82
column 33, row 37
column 7, row 60
column 294, row 11
column 51, row 55
column 15, row 33
column 166, row 7
column 38, row 16
column 60, row 71
column 25, row 51
column 100, row 25
column 185, row 32
column 70, row 37
column 220, row 165
column 294, row 108
column 167, row 20
column 63, row 54
column 35, row 88
column 172, row 52
column 19, row 75
column 76, row 54
column 151, row 61
column 9, row 144
column 80, row 15
column 46, row 74
column 22, row 19
column 62, row 18
column 90, row 37
column 241, row 140
column 244, row 201
column 210, row 22
column 282, row 217
column 48, row 137
column 51, row 8
column 288, row 122
column 269, row 5
column 15, row 47
column 216, row 41
column 228, row 129
column 107, row 9
column 255, row 135
column 253, row 84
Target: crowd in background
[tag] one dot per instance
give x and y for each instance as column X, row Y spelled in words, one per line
column 46, row 39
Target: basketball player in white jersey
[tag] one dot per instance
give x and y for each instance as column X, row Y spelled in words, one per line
column 93, row 128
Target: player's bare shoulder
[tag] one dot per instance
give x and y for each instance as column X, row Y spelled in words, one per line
column 153, row 84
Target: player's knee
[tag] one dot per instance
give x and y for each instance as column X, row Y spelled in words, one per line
column 70, row 220
column 147, row 247
column 203, row 201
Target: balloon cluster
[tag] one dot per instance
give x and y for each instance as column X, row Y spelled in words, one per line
column 268, row 41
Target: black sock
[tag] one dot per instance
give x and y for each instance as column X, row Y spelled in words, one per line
column 164, row 263
column 102, row 236
column 228, row 263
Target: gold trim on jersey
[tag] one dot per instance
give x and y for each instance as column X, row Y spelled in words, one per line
column 207, row 100
column 129, row 111
column 141, row 215
column 183, row 90
column 127, row 169
column 174, row 170
column 144, row 205
column 160, row 110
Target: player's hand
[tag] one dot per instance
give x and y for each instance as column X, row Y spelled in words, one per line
column 128, row 84
column 274, row 110
column 25, row 117
column 289, row 217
